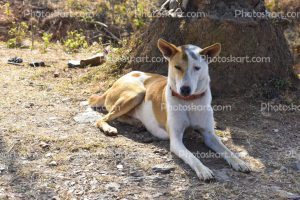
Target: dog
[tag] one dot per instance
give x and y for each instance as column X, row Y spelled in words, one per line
column 151, row 99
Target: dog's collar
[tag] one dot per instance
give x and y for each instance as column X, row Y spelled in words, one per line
column 190, row 97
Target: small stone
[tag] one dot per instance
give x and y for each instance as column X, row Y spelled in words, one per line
column 44, row 145
column 2, row 168
column 275, row 130
column 29, row 105
column 222, row 175
column 79, row 192
column 56, row 74
column 113, row 187
column 94, row 183
column 284, row 194
column 3, row 196
column 83, row 103
column 298, row 165
column 157, row 195
column 136, row 173
column 242, row 154
column 72, row 183
column 89, row 116
column 120, row 167
column 53, row 163
column 163, row 168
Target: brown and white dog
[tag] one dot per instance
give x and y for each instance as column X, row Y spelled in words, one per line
column 156, row 100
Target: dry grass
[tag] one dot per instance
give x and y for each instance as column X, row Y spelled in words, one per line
column 43, row 113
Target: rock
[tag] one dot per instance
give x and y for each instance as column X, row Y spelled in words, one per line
column 137, row 173
column 222, row 175
column 298, row 165
column 94, row 183
column 284, row 194
column 161, row 152
column 44, row 145
column 56, row 74
column 242, row 154
column 2, row 168
column 119, row 167
column 275, row 130
column 53, row 163
column 3, row 196
column 29, row 105
column 89, row 116
column 83, row 103
column 113, row 187
column 163, row 168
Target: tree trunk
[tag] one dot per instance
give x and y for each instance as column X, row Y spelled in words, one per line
column 240, row 37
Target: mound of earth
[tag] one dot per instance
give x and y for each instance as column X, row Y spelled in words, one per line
column 254, row 50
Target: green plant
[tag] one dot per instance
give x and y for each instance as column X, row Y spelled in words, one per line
column 17, row 32
column 77, row 4
column 75, row 40
column 46, row 39
column 11, row 43
column 7, row 9
column 281, row 84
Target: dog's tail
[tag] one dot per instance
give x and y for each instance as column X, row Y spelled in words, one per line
column 96, row 101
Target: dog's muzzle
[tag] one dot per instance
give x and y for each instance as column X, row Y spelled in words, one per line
column 185, row 90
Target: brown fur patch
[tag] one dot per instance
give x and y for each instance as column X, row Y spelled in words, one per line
column 178, row 60
column 155, row 92
column 136, row 74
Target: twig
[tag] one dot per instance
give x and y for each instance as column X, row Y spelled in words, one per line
column 164, row 4
column 13, row 63
column 112, row 35
column 11, row 148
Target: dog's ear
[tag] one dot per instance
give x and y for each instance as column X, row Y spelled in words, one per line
column 167, row 49
column 211, row 51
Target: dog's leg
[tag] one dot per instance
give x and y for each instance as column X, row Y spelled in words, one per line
column 122, row 106
column 97, row 100
column 178, row 148
column 214, row 142
column 131, row 121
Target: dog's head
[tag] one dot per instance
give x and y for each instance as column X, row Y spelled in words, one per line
column 188, row 66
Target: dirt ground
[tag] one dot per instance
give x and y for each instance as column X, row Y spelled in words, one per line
column 45, row 154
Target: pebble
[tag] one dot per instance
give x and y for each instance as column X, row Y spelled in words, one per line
column 48, row 155
column 284, row 194
column 44, row 145
column 242, row 154
column 83, row 103
column 89, row 116
column 120, row 167
column 275, row 130
column 163, row 168
column 2, row 168
column 222, row 174
column 53, row 163
column 113, row 187
column 56, row 74
column 298, row 165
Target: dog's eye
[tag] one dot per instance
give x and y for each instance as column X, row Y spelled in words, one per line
column 177, row 67
column 197, row 68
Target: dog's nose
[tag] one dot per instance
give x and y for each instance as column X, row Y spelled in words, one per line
column 185, row 90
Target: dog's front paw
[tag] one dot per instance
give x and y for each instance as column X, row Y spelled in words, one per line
column 204, row 173
column 106, row 128
column 241, row 166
